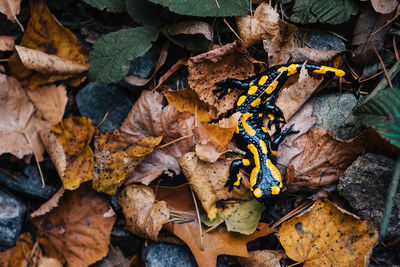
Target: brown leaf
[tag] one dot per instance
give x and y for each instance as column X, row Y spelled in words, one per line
column 68, row 146
column 7, row 43
column 384, row 6
column 78, row 231
column 216, row 242
column 192, row 27
column 50, row 101
column 48, row 262
column 328, row 236
column 49, row 204
column 262, row 258
column 115, row 157
column 208, row 181
column 10, row 8
column 57, row 53
column 144, row 216
column 19, row 254
column 229, row 61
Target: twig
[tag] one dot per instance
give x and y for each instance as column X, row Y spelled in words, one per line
column 373, row 76
column 214, row 227
column 174, row 141
column 383, row 83
column 198, row 219
column 229, row 26
column 396, row 51
column 104, row 118
column 387, row 23
column 383, row 65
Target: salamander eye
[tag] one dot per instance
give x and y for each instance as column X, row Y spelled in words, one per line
column 257, row 193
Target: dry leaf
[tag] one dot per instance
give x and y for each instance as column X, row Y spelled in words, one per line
column 10, row 8
column 49, row 204
column 50, row 102
column 7, row 43
column 192, row 27
column 78, row 231
column 57, row 53
column 229, row 61
column 208, row 181
column 262, row 258
column 214, row 138
column 19, row 254
column 328, row 236
column 216, row 242
column 68, row 146
column 187, row 100
column 384, row 6
column 144, row 216
column 311, row 55
column 48, row 262
column 115, row 157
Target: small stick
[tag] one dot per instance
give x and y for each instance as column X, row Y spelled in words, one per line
column 198, row 219
column 383, row 65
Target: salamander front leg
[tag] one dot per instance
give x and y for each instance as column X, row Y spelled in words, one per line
column 234, row 178
column 279, row 138
column 275, row 114
column 225, row 86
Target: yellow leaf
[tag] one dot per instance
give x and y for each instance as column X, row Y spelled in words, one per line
column 19, row 254
column 326, row 236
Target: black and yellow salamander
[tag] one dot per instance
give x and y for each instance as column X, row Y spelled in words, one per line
column 261, row 149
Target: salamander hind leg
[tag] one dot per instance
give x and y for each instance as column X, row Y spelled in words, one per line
column 226, row 86
column 275, row 114
column 234, row 178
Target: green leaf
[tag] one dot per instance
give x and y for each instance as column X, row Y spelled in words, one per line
column 324, row 11
column 206, row 8
column 145, row 12
column 241, row 217
column 109, row 61
column 382, row 112
column 116, row 6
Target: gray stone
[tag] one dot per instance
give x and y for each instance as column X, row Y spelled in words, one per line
column 168, row 255
column 325, row 41
column 96, row 99
column 12, row 214
column 335, row 112
column 125, row 240
column 143, row 66
column 365, row 185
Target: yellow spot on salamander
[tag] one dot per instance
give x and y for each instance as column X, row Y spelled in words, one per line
column 252, row 90
column 256, row 102
column 256, row 169
column 325, row 69
column 275, row 190
column 274, row 152
column 272, row 87
column 241, row 100
column 263, row 80
column 257, row 192
column 246, row 162
column 246, row 126
column 281, row 69
column 271, row 117
column 237, row 129
column 292, row 69
column 263, row 147
column 264, row 129
column 260, row 115
column 274, row 171
column 229, row 90
column 237, row 182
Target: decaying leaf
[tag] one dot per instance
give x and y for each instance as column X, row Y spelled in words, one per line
column 192, row 27
column 10, row 8
column 78, row 231
column 384, row 6
column 19, row 254
column 208, row 181
column 214, row 138
column 328, row 236
column 115, row 157
column 68, row 146
column 187, row 100
column 212, row 244
column 50, row 102
column 144, row 215
column 48, row 52
column 7, row 43
column 49, row 204
column 262, row 258
column 229, row 61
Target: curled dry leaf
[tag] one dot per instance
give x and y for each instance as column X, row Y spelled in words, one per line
column 50, row 102
column 208, row 181
column 187, row 100
column 212, row 244
column 144, row 215
column 328, row 236
column 262, row 258
column 214, row 138
column 68, row 146
column 49, row 204
column 19, row 254
column 384, row 6
column 7, row 43
column 10, row 8
column 115, row 157
column 229, row 61
column 192, row 27
column 77, row 232
column 52, row 41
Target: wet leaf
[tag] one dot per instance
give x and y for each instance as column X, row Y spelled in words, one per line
column 326, row 235
column 262, row 258
column 117, row 6
column 144, row 12
column 78, row 231
column 143, row 214
column 112, row 53
column 115, row 157
column 19, row 254
column 10, row 8
column 68, row 146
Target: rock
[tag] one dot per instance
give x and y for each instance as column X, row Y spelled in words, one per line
column 143, row 66
column 26, row 180
column 365, row 185
column 335, row 112
column 125, row 240
column 165, row 255
column 325, row 41
column 12, row 215
column 96, row 99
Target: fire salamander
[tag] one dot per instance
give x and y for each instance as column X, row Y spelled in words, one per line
column 261, row 148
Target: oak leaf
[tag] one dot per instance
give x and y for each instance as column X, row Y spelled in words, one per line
column 78, row 231
column 144, row 215
column 19, row 254
column 68, row 146
column 10, row 8
column 328, row 236
column 115, row 157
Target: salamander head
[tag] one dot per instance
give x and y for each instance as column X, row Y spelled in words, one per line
column 269, row 183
